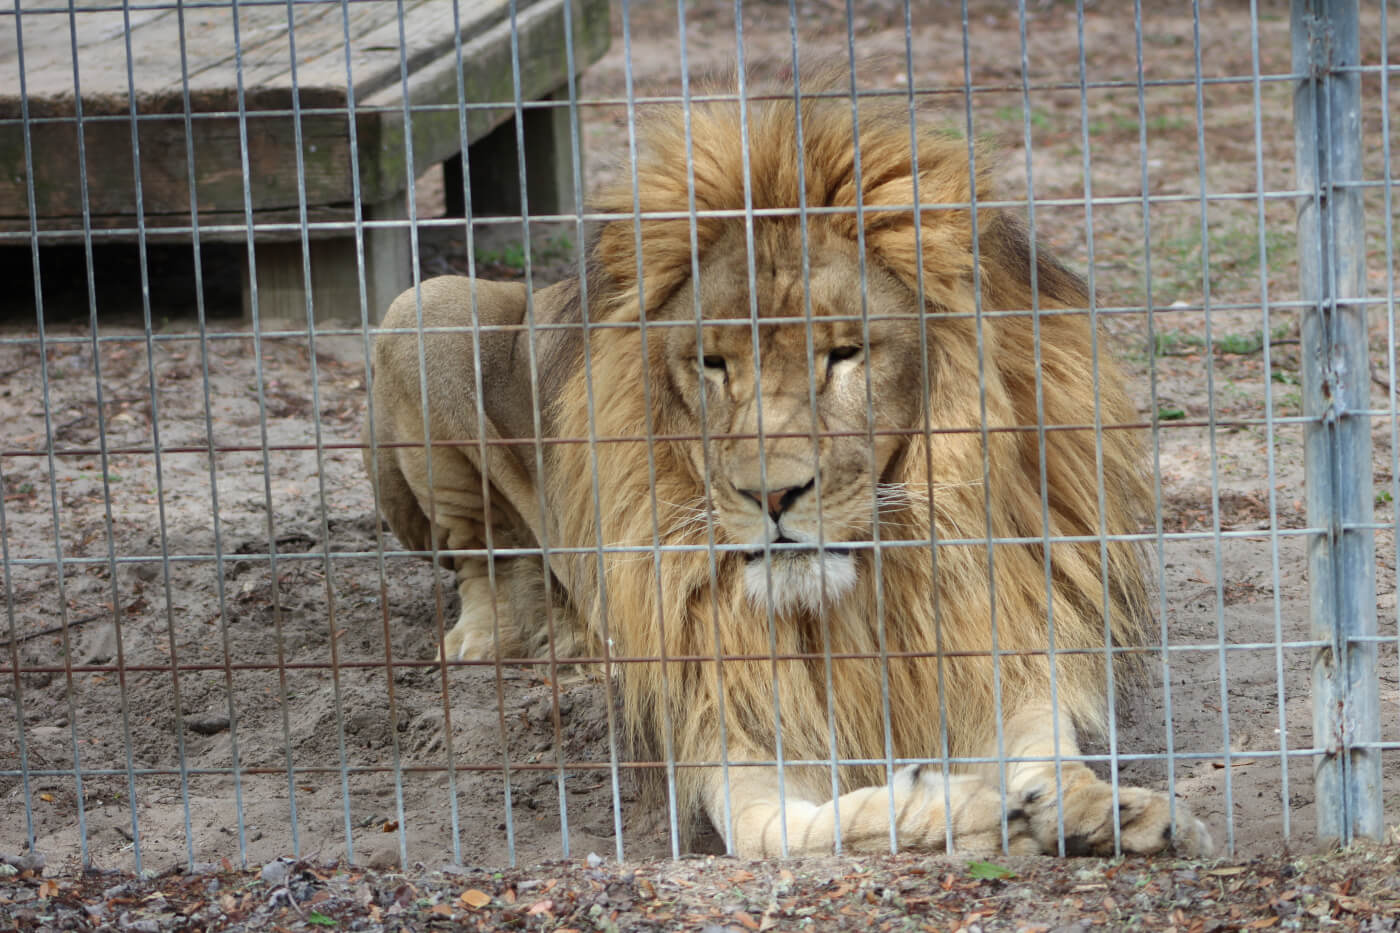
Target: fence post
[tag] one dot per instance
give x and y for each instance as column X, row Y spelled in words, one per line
column 1337, row 441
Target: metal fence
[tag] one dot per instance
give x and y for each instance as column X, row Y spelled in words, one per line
column 214, row 648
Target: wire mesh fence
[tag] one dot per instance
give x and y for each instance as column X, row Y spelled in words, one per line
column 770, row 510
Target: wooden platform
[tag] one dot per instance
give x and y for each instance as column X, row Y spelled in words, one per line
column 380, row 49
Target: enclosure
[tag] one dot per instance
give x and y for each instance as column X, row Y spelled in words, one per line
column 215, row 649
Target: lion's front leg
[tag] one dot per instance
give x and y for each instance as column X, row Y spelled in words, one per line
column 1143, row 816
column 916, row 800
column 485, row 629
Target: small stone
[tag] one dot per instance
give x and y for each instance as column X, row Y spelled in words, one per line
column 384, row 855
column 29, row 861
column 211, row 724
column 144, row 925
column 594, row 860
column 275, row 873
column 146, row 572
column 101, row 645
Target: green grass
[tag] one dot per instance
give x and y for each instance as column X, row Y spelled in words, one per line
column 512, row 255
column 1016, row 115
column 1181, row 343
column 1234, row 259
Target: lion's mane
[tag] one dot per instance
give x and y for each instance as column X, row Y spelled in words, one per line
column 924, row 626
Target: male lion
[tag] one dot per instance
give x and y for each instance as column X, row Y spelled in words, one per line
column 825, row 462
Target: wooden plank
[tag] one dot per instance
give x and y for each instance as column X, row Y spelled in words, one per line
column 214, row 226
column 265, row 38
column 335, row 274
column 487, row 77
column 433, row 82
column 111, row 188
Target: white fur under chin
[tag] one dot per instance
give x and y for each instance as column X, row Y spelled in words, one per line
column 794, row 581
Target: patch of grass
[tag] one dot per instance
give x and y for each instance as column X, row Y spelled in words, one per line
column 1015, row 115
column 1238, row 344
column 1175, row 343
column 1127, row 123
column 512, row 255
column 1234, row 258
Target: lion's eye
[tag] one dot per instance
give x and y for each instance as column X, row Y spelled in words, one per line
column 838, row 354
column 714, row 363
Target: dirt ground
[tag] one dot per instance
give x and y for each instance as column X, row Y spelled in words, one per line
column 309, row 672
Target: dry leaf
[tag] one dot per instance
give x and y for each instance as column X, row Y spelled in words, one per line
column 541, row 907
column 48, row 889
column 389, row 826
column 47, row 798
column 474, row 898
column 441, row 910
column 744, row 920
column 1227, row 870
column 740, row 876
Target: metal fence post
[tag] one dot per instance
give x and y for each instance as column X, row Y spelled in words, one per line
column 1337, row 442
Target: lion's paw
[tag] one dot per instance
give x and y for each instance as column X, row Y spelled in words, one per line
column 1144, row 821
column 469, row 640
column 976, row 813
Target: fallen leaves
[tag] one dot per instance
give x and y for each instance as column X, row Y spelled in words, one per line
column 1348, row 891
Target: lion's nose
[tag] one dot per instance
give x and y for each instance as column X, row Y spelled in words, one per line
column 778, row 500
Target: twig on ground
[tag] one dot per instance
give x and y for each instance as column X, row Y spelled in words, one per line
column 55, row 629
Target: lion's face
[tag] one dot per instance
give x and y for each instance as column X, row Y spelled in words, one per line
column 794, row 460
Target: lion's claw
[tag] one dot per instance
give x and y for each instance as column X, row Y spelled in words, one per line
column 1143, row 821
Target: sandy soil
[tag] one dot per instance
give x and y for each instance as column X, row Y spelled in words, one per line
column 276, row 641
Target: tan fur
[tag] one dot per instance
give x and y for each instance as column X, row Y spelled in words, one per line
column 919, row 621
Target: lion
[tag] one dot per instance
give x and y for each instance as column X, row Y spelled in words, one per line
column 838, row 490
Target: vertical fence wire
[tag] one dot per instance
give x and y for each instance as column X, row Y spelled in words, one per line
column 726, row 828
column 1212, row 418
column 1101, row 494
column 1042, row 467
column 1270, row 433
